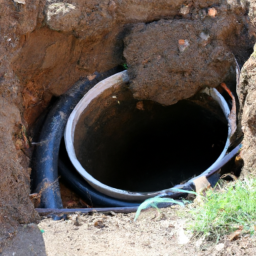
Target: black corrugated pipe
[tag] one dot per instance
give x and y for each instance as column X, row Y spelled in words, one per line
column 74, row 181
column 47, row 151
column 48, row 157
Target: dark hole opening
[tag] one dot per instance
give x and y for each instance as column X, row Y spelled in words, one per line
column 151, row 148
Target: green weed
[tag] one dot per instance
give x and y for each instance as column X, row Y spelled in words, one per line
column 223, row 212
column 154, row 201
column 125, row 66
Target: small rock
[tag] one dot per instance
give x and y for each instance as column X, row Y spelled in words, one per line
column 99, row 224
column 91, row 77
column 219, row 247
column 19, row 144
column 204, row 36
column 204, row 39
column 182, row 238
column 184, row 10
column 112, row 6
column 183, row 45
column 32, row 225
column 199, row 242
column 20, row 1
column 212, row 12
column 77, row 221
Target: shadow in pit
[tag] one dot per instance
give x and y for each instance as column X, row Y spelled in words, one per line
column 28, row 241
column 150, row 148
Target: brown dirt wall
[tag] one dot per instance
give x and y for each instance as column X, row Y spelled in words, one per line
column 247, row 97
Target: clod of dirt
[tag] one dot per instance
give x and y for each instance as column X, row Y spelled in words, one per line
column 77, row 221
column 172, row 60
column 99, row 224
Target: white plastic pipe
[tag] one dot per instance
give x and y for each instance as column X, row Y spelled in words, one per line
column 116, row 81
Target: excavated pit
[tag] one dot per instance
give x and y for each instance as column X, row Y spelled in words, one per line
column 49, row 50
column 144, row 146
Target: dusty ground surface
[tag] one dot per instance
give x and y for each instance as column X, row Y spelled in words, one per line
column 117, row 234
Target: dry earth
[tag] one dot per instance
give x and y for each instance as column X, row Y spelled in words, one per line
column 117, row 234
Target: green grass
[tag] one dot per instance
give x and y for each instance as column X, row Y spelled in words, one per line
column 225, row 211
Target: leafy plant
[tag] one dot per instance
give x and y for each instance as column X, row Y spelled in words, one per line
column 179, row 190
column 225, row 211
column 153, row 202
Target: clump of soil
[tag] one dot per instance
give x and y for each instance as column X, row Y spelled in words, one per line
column 170, row 60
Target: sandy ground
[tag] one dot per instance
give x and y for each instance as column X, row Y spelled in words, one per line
column 117, row 234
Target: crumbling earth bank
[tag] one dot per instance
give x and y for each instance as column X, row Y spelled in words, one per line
column 247, row 97
column 15, row 206
column 45, row 46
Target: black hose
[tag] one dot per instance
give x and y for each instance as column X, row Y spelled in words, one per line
column 47, row 159
column 85, row 191
column 47, row 150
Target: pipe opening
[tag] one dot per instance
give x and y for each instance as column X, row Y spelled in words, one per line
column 144, row 146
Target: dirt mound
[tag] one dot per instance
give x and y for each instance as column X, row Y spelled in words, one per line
column 172, row 60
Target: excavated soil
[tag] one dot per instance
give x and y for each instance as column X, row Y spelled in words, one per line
column 165, row 71
column 117, row 234
column 47, row 45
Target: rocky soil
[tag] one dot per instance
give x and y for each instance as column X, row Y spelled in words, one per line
column 47, row 45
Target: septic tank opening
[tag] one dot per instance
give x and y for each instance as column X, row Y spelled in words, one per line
column 144, row 146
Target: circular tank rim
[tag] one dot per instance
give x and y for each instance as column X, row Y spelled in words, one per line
column 114, row 81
